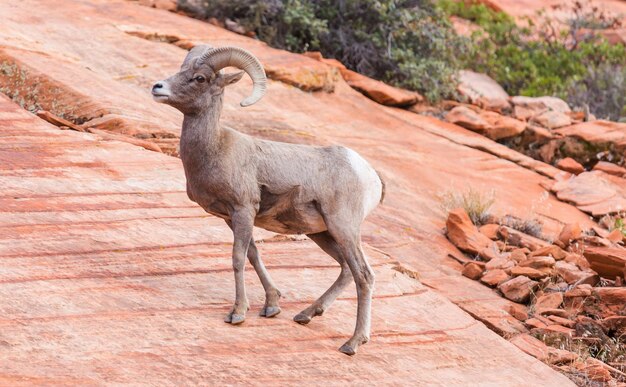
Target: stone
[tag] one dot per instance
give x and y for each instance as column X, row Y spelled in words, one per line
column 593, row 192
column 528, row 272
column 594, row 370
column 517, row 238
column 490, row 231
column 464, row 235
column 551, row 312
column 610, row 168
column 518, row 289
column 599, row 132
column 472, row 270
column 562, row 321
column 570, row 232
column 523, row 113
column 554, row 329
column 535, row 323
column 568, row 164
column 520, row 312
column 499, row 263
column 549, row 300
column 608, row 262
column 501, row 127
column 482, row 90
column 578, row 260
column 611, row 296
column 583, row 290
column 572, row 274
column 467, row 118
column 552, row 119
column 519, row 255
column 615, row 236
column 380, row 92
column 541, row 104
column 538, row 262
column 550, row 251
column 494, row 278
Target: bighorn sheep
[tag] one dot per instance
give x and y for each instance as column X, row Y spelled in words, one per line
column 323, row 192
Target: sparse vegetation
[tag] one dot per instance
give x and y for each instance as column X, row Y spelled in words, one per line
column 532, row 227
column 476, row 203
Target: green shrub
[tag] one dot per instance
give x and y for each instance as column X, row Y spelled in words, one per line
column 407, row 43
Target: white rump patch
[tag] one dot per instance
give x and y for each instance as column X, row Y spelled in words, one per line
column 373, row 188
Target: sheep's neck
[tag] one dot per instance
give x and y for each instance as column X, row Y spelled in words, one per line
column 201, row 132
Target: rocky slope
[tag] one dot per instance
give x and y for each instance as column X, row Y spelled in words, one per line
column 85, row 219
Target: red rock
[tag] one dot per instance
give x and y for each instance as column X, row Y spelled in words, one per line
column 528, row 272
column 610, row 168
column 598, row 132
column 549, row 300
column 615, row 324
column 562, row 321
column 550, row 251
column 467, row 118
column 551, row 312
column 517, row 238
column 539, row 105
column 520, row 312
column 611, row 296
column 552, row 119
column 499, row 263
column 530, row 345
column 571, row 274
column 518, row 289
column 579, row 291
column 519, row 255
column 501, row 127
column 615, row 236
column 608, row 262
column 594, row 370
column 554, row 329
column 472, row 270
column 568, row 164
column 561, row 356
column 464, row 235
column 593, row 192
column 570, row 232
column 538, row 262
column 578, row 260
column 494, row 277
column 535, row 323
column 483, row 91
column 490, row 231
column 380, row 92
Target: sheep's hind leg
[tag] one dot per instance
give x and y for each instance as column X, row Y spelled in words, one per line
column 272, row 295
column 326, row 242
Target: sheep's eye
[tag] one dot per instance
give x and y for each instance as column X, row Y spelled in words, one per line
column 200, row 79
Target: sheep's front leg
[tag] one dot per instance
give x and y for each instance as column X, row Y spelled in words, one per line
column 242, row 221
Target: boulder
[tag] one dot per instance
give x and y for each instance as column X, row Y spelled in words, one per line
column 518, row 289
column 490, row 231
column 473, row 270
column 467, row 118
column 380, row 92
column 612, row 296
column 518, row 238
column 609, row 262
column 499, row 263
column 520, row 312
column 572, row 274
column 539, row 105
column 495, row 277
column 594, row 192
column 569, row 233
column 552, row 119
column 550, row 251
column 554, row 329
column 528, row 272
column 549, row 300
column 567, row 323
column 583, row 290
column 501, row 127
column 483, row 91
column 578, row 260
column 538, row 262
column 568, row 164
column 519, row 255
column 598, row 132
column 464, row 235
column 539, row 350
column 615, row 236
column 610, row 168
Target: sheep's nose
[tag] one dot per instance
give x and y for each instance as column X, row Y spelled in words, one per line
column 157, row 86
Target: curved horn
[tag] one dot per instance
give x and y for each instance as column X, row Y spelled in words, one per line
column 221, row 57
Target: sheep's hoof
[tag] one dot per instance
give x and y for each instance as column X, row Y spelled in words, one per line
column 270, row 311
column 302, row 318
column 235, row 319
column 347, row 349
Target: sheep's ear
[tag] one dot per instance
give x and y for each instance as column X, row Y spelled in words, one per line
column 224, row 80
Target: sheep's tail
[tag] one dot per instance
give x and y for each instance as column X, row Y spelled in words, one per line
column 384, row 188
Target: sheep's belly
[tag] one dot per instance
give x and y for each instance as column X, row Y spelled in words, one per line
column 303, row 218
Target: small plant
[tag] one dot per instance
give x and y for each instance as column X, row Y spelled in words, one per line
column 475, row 203
column 620, row 224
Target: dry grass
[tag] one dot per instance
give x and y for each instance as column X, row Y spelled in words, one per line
column 532, row 227
column 475, row 203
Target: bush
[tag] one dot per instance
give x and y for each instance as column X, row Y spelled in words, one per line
column 567, row 60
column 475, row 203
column 407, row 43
